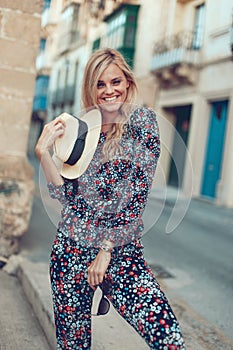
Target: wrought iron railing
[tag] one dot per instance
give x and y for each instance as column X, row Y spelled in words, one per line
column 184, row 39
column 69, row 38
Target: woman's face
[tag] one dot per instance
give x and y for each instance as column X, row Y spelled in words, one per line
column 111, row 89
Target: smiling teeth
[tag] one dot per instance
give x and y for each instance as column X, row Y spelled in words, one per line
column 110, row 99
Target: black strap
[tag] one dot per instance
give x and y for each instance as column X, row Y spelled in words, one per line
column 79, row 144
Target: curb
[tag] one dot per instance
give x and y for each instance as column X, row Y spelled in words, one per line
column 112, row 332
column 34, row 281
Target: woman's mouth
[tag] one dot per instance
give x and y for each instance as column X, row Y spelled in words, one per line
column 110, row 99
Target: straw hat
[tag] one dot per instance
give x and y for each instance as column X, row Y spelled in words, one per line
column 74, row 151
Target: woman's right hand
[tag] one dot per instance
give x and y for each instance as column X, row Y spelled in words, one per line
column 50, row 133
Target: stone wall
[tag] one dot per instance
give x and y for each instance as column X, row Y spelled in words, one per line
column 19, row 41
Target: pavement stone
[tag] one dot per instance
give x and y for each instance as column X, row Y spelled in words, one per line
column 19, row 327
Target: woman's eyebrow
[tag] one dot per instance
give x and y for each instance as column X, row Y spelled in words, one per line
column 116, row 78
column 120, row 77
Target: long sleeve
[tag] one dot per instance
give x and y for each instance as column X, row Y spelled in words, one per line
column 127, row 203
column 64, row 193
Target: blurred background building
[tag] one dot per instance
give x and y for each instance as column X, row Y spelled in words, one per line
column 19, row 34
column 181, row 54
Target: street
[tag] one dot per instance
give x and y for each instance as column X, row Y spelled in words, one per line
column 199, row 256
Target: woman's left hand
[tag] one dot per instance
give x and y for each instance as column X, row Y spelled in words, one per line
column 97, row 269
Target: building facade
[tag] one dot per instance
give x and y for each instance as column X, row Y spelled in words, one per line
column 192, row 64
column 181, row 53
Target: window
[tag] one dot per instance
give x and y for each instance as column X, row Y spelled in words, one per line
column 46, row 4
column 41, row 89
column 116, row 31
column 121, row 30
column 199, row 27
column 42, row 45
column 96, row 45
column 69, row 17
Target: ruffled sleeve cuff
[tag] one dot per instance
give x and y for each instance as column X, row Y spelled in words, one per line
column 62, row 192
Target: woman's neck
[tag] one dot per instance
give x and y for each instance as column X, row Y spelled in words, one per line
column 106, row 127
column 108, row 119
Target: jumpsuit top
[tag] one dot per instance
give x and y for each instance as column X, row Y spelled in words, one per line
column 108, row 200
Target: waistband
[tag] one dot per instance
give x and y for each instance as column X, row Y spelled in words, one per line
column 126, row 249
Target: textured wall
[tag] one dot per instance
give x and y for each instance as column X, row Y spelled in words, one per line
column 19, row 40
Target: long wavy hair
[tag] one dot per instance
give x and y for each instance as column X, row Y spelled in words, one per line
column 96, row 65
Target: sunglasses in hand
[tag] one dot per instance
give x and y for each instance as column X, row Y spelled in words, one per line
column 104, row 304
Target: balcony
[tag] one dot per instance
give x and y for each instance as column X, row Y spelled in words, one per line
column 175, row 59
column 48, row 18
column 62, row 96
column 43, row 65
column 67, row 3
column 68, row 40
column 184, row 1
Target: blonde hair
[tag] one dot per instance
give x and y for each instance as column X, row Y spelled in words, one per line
column 96, row 65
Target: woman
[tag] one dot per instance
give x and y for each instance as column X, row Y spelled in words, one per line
column 98, row 239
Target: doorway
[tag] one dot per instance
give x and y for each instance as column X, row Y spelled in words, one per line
column 182, row 124
column 215, row 148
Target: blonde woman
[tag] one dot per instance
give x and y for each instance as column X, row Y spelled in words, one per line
column 98, row 241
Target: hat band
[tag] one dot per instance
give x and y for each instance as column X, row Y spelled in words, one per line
column 79, row 144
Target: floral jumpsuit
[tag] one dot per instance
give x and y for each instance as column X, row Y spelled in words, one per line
column 108, row 201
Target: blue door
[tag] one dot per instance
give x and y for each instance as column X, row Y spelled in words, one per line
column 215, row 147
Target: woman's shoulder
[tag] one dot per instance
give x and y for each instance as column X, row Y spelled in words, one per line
column 143, row 115
column 143, row 118
column 144, row 131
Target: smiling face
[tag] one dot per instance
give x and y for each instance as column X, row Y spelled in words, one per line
column 111, row 91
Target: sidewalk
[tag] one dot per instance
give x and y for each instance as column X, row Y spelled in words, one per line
column 110, row 332
column 19, row 327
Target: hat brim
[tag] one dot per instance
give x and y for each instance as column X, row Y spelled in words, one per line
column 93, row 121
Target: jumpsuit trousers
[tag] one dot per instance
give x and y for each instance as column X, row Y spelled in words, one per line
column 134, row 292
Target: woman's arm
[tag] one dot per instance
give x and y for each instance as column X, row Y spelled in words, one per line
column 50, row 133
column 123, row 217
column 119, row 222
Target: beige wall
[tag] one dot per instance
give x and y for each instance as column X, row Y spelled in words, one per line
column 19, row 39
column 225, row 187
column 214, row 82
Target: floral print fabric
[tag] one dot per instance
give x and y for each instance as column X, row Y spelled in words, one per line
column 108, row 200
column 134, row 293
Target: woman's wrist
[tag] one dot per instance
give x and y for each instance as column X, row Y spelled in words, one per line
column 106, row 246
column 41, row 152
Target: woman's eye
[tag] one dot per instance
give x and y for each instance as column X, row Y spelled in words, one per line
column 116, row 82
column 100, row 84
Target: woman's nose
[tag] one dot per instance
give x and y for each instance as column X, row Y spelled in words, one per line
column 109, row 89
